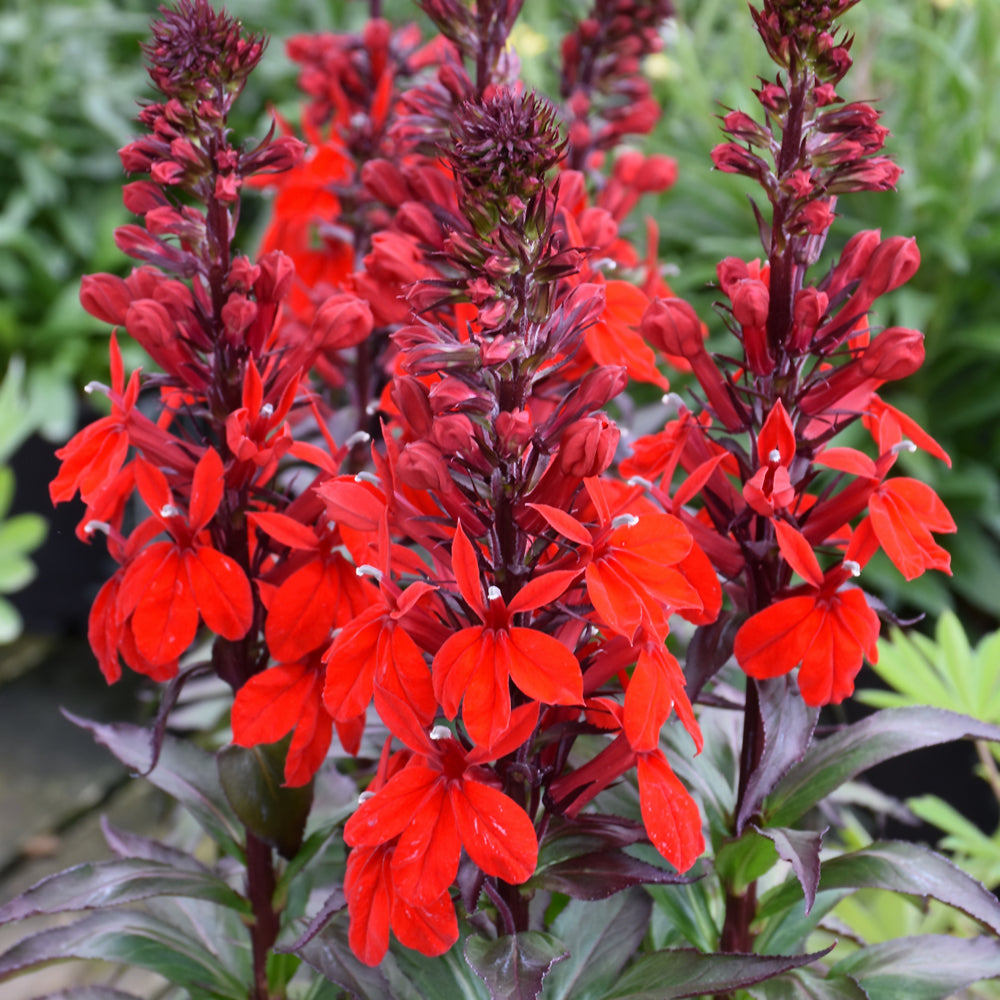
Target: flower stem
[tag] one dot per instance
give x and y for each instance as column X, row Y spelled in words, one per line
column 265, row 926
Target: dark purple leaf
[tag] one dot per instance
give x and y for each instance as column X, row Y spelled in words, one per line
column 335, row 902
column 513, row 966
column 329, row 954
column 924, row 967
column 788, row 728
column 843, row 756
column 671, row 975
column 804, row 984
column 131, row 938
column 708, row 652
column 184, row 772
column 125, row 844
column 901, row 867
column 601, row 937
column 105, row 884
column 800, row 848
column 601, row 874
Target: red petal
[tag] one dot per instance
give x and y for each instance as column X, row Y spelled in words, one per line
column 351, row 666
column 165, row 620
column 798, row 553
column 271, row 703
column 402, row 670
column 206, row 490
column 496, row 832
column 542, row 667
column 648, row 703
column 466, row 568
column 773, row 641
column 669, row 813
column 285, row 529
column 426, row 859
column 430, row 929
column 221, row 590
column 302, row 611
column 454, row 664
column 369, row 901
column 389, row 812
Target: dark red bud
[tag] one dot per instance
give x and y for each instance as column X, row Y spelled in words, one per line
column 750, row 302
column 276, row 273
column 672, row 326
column 105, row 296
column 588, row 446
column 342, row 321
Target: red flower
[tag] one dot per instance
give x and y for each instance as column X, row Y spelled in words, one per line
column 476, row 664
column 826, row 629
column 170, row 584
column 444, row 800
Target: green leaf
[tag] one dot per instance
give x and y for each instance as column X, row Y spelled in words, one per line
column 687, row 909
column 880, row 737
column 789, row 929
column 183, row 771
column 93, row 992
column 925, row 967
column 899, row 867
column 11, row 623
column 601, row 937
column 804, row 984
column 252, row 781
column 329, row 954
column 104, row 884
column 514, row 966
column 448, row 975
column 22, row 534
column 131, row 938
column 670, row 975
column 742, row 861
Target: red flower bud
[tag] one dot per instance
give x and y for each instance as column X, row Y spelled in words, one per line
column 342, row 321
column 750, row 303
column 896, row 353
column 421, row 467
column 410, row 396
column 384, row 182
column 673, row 327
column 588, row 446
column 657, row 173
column 141, row 197
column 808, row 312
column 276, row 273
column 105, row 296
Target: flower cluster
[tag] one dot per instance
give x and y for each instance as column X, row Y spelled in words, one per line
column 792, row 517
column 380, row 469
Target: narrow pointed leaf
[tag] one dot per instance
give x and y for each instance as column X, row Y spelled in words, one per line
column 131, row 938
column 925, row 967
column 882, row 736
column 800, row 848
column 514, row 966
column 601, row 938
column 901, row 867
column 670, row 975
column 601, row 874
column 330, row 955
column 183, row 771
column 106, row 884
column 788, row 728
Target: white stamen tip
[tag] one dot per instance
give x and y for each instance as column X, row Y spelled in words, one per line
column 440, row 733
column 640, row 481
column 905, row 445
column 267, row 410
column 364, row 797
column 372, row 408
column 91, row 387
column 358, row 437
column 366, row 570
column 493, row 594
column 624, row 521
column 169, row 510
column 91, row 526
column 367, row 477
column 774, row 455
column 852, row 567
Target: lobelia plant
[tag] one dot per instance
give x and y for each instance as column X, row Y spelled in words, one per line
column 379, row 466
